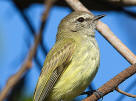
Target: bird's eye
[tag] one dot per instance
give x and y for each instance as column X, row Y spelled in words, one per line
column 81, row 19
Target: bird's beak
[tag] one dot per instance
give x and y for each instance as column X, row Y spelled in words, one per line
column 97, row 17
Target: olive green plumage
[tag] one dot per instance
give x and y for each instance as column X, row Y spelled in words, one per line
column 73, row 61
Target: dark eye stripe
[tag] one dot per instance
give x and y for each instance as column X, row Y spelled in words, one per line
column 81, row 19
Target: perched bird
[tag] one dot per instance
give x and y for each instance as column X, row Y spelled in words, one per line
column 73, row 61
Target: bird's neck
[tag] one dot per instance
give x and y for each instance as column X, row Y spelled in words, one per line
column 76, row 35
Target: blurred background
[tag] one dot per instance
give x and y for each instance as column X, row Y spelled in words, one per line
column 20, row 19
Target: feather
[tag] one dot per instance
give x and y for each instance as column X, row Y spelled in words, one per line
column 56, row 62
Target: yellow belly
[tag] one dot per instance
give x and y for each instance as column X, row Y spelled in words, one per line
column 78, row 74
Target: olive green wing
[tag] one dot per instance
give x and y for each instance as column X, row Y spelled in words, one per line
column 56, row 62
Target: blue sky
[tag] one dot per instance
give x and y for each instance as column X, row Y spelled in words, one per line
column 13, row 48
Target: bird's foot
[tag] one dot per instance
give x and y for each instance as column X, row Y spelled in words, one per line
column 96, row 92
column 88, row 93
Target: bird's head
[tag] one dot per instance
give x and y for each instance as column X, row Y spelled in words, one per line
column 79, row 22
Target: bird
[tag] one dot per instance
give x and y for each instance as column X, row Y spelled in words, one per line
column 72, row 62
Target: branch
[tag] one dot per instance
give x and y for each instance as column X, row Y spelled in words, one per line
column 31, row 28
column 25, row 67
column 90, row 4
column 113, row 83
column 28, row 63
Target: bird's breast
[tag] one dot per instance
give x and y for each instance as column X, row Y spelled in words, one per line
column 79, row 72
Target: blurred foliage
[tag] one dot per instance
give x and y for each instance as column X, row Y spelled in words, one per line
column 25, row 98
column 100, row 5
column 17, row 91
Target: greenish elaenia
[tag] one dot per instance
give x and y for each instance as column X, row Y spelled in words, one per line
column 73, row 61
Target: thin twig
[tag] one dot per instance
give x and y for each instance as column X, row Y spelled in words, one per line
column 127, row 94
column 28, row 63
column 128, row 88
column 106, row 33
column 112, row 84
